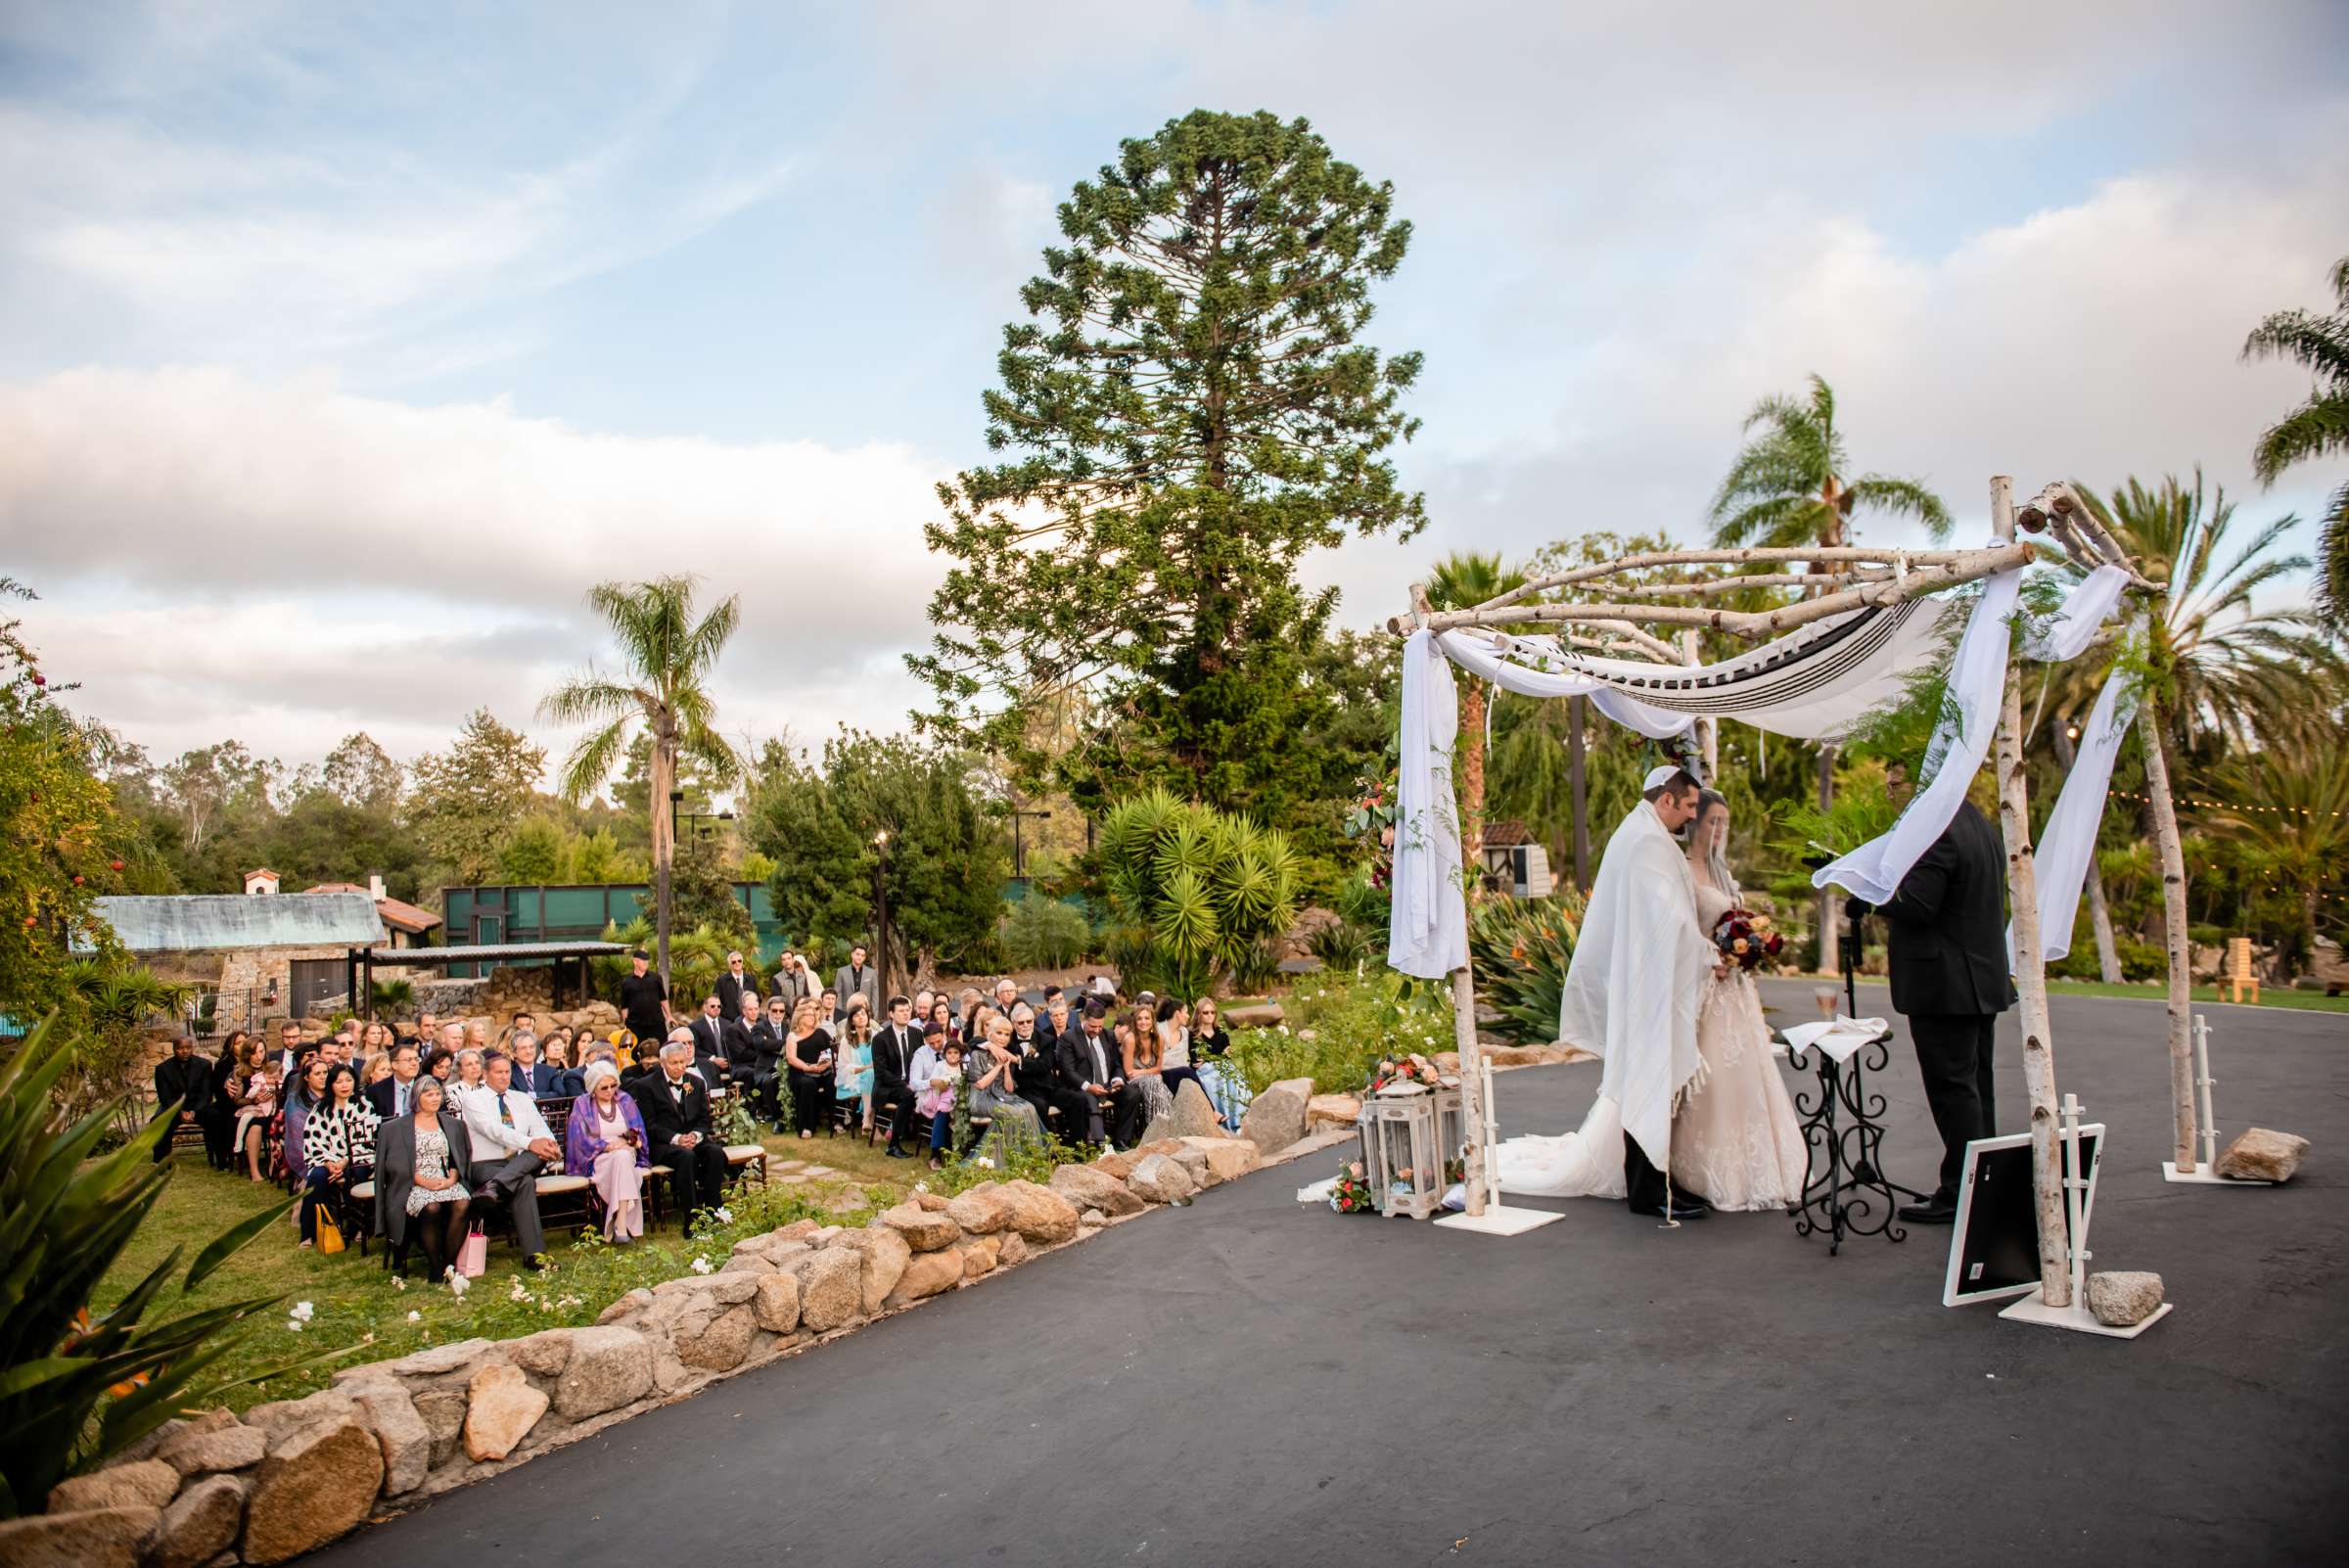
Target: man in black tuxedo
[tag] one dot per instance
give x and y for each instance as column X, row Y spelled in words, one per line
column 183, row 1085
column 675, row 1106
column 894, row 1045
column 1035, row 1078
column 1946, row 954
column 742, row 1042
column 767, row 1041
column 708, row 1033
column 1089, row 1064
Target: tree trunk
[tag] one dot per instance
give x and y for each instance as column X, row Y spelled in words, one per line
column 1472, row 785
column 2108, row 953
column 2031, row 968
column 1824, row 915
column 2164, row 812
column 664, row 846
column 1580, row 786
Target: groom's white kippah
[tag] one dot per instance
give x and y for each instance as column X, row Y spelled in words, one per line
column 1658, row 775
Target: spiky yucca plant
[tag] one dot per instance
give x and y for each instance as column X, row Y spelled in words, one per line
column 1521, row 947
column 1195, row 893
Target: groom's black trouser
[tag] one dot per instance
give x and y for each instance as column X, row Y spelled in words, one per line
column 1642, row 1184
column 1953, row 1054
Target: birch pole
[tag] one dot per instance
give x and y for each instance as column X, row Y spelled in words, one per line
column 1463, row 1016
column 1708, row 728
column 2173, row 920
column 2030, row 962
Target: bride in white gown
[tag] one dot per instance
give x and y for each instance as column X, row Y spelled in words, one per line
column 1736, row 1138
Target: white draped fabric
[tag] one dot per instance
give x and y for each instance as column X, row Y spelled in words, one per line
column 2069, row 840
column 1637, row 979
column 1977, row 682
column 1428, row 936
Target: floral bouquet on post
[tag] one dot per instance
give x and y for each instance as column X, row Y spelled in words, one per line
column 1413, row 1068
column 1745, row 939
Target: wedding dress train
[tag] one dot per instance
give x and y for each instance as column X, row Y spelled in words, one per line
column 1735, row 1140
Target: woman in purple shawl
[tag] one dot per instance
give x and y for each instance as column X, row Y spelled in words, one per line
column 605, row 1143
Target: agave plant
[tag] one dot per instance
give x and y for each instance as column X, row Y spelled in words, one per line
column 118, row 997
column 1195, row 893
column 1521, row 947
column 81, row 1386
column 392, row 997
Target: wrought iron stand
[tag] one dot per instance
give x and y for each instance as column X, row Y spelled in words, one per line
column 1844, row 1189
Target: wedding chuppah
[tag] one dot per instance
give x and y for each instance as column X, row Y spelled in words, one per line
column 1644, row 972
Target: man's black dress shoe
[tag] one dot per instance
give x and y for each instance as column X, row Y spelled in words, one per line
column 897, row 1153
column 1679, row 1209
column 1929, row 1212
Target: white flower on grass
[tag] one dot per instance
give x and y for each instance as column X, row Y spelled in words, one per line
column 726, row 1215
column 304, row 1311
column 458, row 1284
column 415, row 1317
column 400, row 1281
column 921, row 1186
column 984, row 1163
column 295, row 1323
column 517, row 1293
column 701, row 1265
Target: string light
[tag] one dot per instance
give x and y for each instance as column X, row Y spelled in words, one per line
column 2231, row 805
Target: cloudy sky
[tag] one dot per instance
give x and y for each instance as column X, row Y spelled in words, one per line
column 345, row 347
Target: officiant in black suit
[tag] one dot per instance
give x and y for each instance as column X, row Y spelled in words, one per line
column 1947, row 956
column 894, row 1045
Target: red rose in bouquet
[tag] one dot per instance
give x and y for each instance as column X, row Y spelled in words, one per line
column 1746, row 939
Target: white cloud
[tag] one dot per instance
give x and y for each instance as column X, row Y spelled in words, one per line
column 284, row 562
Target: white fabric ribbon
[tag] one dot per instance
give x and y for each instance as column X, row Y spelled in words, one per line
column 1976, row 685
column 2068, row 842
column 1428, row 933
column 2084, row 611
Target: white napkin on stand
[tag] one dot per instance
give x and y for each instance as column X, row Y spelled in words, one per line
column 1840, row 1037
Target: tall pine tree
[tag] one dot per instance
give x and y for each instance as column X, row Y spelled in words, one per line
column 1186, row 413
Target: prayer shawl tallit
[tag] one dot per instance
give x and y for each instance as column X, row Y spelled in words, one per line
column 1638, row 976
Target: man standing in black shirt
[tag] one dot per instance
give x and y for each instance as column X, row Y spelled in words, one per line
column 644, row 1001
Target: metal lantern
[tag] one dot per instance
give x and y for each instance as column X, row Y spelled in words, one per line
column 1402, row 1161
column 1452, row 1125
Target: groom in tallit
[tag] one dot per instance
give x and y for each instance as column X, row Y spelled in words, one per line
column 1638, row 980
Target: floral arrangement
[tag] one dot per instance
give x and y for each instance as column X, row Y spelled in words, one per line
column 1353, row 1194
column 1413, row 1068
column 1745, row 939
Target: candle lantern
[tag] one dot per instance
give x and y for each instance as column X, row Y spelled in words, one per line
column 1402, row 1162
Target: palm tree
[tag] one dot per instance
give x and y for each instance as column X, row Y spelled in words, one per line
column 2294, row 820
column 669, row 657
column 2318, row 427
column 2217, row 666
column 1462, row 581
column 1787, row 489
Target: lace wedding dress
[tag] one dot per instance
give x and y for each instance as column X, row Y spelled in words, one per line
column 1735, row 1140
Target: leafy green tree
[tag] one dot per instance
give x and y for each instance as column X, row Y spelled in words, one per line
column 1190, row 412
column 359, row 772
column 704, row 895
column 533, row 853
column 941, row 864
column 668, row 656
column 470, row 796
column 2291, row 814
column 1197, row 893
column 2318, row 427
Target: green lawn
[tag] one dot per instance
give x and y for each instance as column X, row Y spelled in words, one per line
column 2308, row 1001
column 354, row 1300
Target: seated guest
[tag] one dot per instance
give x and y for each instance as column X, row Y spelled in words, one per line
column 942, row 1013
column 1174, row 1048
column 420, row 1186
column 256, row 1109
column 1137, row 1040
column 395, row 1094
column 227, row 1074
column 476, row 1037
column 852, row 1074
column 923, row 1001
column 1008, row 995
column 428, row 1033
column 941, row 1079
column 511, row 1145
column 1035, row 1075
column 570, row 1082
column 605, row 1141
column 742, row 1043
column 766, row 1067
column 644, row 1060
column 471, row 1075
column 675, row 1108
column 289, row 1047
column 731, row 986
column 307, row 1093
column 992, row 1072
column 1090, row 1062
column 1210, row 1056
column 183, row 1088
column 531, row 1075
column 709, row 1035
column 808, row 1059
column 442, row 1066
column 338, row 1147
column 894, row 1047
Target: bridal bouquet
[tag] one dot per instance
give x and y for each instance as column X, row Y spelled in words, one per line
column 1745, row 937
